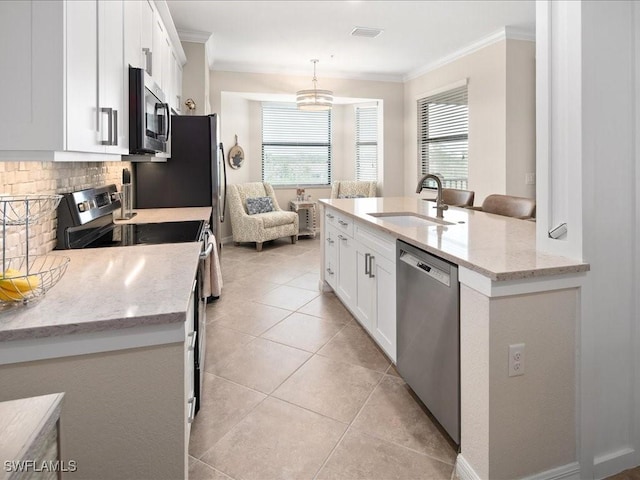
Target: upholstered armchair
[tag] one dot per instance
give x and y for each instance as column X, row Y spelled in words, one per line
column 353, row 189
column 267, row 221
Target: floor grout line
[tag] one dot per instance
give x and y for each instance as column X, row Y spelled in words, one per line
column 319, row 294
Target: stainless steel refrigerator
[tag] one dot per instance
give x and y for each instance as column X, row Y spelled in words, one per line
column 194, row 176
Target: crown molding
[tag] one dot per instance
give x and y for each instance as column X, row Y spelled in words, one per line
column 263, row 69
column 506, row 33
column 194, row 36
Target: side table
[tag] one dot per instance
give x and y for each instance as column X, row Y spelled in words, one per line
column 306, row 210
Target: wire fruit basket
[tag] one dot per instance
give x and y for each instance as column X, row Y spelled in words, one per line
column 27, row 277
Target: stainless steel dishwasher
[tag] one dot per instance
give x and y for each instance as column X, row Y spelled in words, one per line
column 428, row 330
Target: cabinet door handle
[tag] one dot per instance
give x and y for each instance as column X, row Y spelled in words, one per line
column 330, row 216
column 342, row 238
column 109, row 112
column 344, row 224
column 192, row 341
column 148, row 60
column 367, row 264
column 329, row 271
column 114, row 138
column 371, row 259
column 192, row 409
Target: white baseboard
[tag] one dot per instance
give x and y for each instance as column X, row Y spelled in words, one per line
column 570, row 471
column 614, row 462
column 226, row 240
column 464, row 470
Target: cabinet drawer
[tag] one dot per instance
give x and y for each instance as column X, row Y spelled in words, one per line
column 330, row 217
column 383, row 243
column 344, row 225
column 341, row 222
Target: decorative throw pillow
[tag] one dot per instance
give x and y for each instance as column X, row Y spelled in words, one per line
column 350, row 196
column 259, row 205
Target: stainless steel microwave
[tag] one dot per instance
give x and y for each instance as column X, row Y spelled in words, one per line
column 149, row 115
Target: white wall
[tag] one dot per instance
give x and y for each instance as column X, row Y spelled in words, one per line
column 391, row 95
column 520, row 133
column 231, row 94
column 195, row 78
column 501, row 108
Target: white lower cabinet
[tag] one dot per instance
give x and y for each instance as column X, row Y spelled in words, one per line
column 346, row 284
column 361, row 270
column 366, row 290
column 384, row 320
column 330, row 257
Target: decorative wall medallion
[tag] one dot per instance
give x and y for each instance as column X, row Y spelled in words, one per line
column 236, row 155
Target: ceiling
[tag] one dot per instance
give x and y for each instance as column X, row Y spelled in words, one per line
column 283, row 36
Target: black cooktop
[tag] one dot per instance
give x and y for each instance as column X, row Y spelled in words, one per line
column 150, row 233
column 96, row 235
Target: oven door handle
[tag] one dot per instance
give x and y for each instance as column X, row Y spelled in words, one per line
column 204, row 254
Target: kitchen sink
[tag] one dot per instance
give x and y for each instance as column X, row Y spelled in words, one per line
column 410, row 219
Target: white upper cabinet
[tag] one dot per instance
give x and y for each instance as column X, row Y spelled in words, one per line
column 157, row 49
column 113, row 79
column 147, row 19
column 133, row 54
column 71, row 78
column 64, row 84
column 177, row 84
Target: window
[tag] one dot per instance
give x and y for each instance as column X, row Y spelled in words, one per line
column 367, row 143
column 443, row 128
column 296, row 145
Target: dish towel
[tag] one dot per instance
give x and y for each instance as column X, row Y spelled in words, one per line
column 211, row 272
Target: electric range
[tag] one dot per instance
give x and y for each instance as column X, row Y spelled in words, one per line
column 85, row 220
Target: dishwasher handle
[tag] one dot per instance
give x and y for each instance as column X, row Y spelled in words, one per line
column 423, row 267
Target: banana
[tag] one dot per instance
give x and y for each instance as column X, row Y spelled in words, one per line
column 8, row 295
column 14, row 281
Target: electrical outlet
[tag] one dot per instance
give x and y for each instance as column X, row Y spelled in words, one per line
column 516, row 359
column 530, row 179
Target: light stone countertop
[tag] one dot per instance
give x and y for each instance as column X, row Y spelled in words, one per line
column 500, row 248
column 107, row 289
column 24, row 424
column 159, row 215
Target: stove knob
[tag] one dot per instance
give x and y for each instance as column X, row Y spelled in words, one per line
column 82, row 206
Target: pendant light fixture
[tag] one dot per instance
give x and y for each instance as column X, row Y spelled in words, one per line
column 314, row 99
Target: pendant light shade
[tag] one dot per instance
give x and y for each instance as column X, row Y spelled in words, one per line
column 314, row 99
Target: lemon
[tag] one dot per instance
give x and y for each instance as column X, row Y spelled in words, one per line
column 14, row 281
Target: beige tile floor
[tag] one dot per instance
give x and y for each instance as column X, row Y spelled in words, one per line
column 296, row 389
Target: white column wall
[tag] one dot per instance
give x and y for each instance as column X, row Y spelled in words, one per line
column 587, row 159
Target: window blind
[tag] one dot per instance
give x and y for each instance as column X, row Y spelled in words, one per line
column 367, row 143
column 296, row 145
column 443, row 129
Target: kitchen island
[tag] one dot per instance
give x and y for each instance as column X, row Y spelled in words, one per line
column 112, row 336
column 510, row 293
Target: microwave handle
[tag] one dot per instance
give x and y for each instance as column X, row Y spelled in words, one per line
column 166, row 107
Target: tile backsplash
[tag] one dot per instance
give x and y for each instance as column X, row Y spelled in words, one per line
column 22, row 178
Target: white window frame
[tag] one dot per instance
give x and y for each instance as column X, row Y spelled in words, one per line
column 364, row 173
column 282, row 138
column 448, row 181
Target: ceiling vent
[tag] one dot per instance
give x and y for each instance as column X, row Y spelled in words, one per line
column 366, row 32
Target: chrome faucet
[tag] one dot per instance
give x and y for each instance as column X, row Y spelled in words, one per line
column 440, row 205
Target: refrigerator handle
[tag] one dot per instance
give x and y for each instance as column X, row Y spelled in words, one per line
column 224, row 179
